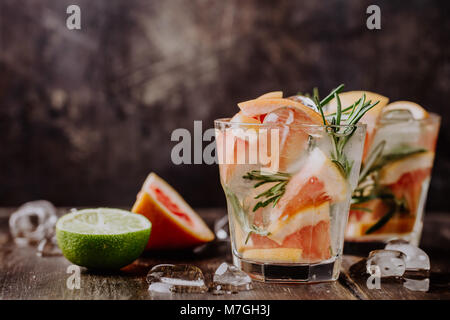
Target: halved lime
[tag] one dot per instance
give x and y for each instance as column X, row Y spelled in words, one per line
column 102, row 238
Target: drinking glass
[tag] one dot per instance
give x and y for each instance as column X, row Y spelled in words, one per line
column 392, row 189
column 288, row 189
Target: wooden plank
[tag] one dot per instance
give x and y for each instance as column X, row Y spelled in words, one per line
column 23, row 275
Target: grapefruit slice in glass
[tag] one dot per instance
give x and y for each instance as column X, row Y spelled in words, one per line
column 174, row 223
column 287, row 116
column 370, row 118
column 318, row 181
column 257, row 107
column 272, row 95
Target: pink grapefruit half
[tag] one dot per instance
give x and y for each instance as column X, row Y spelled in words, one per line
column 175, row 224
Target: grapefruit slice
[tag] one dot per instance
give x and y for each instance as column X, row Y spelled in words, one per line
column 396, row 225
column 312, row 241
column 174, row 223
column 241, row 118
column 416, row 110
column 393, row 171
column 257, row 107
column 234, row 154
column 318, row 181
column 292, row 139
column 409, row 187
column 288, row 224
column 287, row 255
column 370, row 118
column 272, row 95
column 350, row 97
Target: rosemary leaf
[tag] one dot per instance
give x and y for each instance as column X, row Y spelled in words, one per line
column 330, row 96
column 383, row 220
column 338, row 109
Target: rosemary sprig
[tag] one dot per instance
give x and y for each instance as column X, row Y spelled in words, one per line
column 369, row 181
column 354, row 113
column 241, row 217
column 273, row 194
column 383, row 220
column 395, row 205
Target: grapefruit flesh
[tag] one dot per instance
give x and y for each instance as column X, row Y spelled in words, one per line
column 175, row 225
column 310, row 194
column 407, row 187
column 319, row 180
column 293, row 140
column 313, row 241
column 171, row 206
column 392, row 172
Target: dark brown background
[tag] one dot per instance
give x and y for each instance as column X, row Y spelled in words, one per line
column 85, row 115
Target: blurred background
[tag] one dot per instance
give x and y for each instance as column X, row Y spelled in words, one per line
column 86, row 114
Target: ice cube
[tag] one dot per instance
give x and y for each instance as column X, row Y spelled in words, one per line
column 48, row 247
column 396, row 116
column 398, row 136
column 305, row 101
column 229, row 278
column 169, row 278
column 386, row 263
column 416, row 258
column 33, row 222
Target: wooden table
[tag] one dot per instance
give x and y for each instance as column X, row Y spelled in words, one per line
column 24, row 275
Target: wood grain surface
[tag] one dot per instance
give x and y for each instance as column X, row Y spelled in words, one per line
column 24, row 275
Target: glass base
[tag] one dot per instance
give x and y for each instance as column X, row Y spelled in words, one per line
column 290, row 272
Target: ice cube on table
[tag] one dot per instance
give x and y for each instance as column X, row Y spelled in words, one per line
column 169, row 278
column 386, row 263
column 48, row 247
column 228, row 278
column 33, row 222
column 416, row 258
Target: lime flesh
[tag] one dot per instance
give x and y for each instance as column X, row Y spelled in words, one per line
column 102, row 238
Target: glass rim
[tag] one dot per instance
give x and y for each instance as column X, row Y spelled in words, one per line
column 226, row 122
column 432, row 117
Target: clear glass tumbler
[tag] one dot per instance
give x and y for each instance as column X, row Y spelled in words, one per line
column 390, row 198
column 288, row 196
